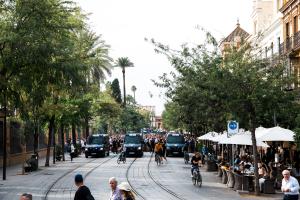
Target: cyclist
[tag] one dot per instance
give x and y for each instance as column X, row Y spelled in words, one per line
column 196, row 162
column 158, row 149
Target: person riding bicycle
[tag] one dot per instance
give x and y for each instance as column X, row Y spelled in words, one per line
column 158, row 149
column 196, row 162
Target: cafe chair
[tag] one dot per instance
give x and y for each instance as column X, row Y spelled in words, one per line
column 268, row 186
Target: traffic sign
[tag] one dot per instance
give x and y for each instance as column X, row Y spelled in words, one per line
column 232, row 128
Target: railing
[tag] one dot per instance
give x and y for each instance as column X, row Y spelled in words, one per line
column 290, row 44
column 296, row 40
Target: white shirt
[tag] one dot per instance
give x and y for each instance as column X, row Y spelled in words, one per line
column 291, row 184
column 116, row 195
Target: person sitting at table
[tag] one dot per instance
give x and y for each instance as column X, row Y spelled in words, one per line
column 261, row 170
column 269, row 175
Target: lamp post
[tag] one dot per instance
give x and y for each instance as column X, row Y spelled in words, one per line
column 4, row 135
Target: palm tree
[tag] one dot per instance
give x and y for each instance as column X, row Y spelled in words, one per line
column 133, row 89
column 124, row 62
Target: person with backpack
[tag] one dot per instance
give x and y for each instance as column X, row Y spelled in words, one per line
column 83, row 192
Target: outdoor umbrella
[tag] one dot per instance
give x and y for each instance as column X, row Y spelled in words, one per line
column 277, row 134
column 208, row 136
column 243, row 139
column 220, row 137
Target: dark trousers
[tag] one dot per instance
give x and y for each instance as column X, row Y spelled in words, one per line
column 290, row 197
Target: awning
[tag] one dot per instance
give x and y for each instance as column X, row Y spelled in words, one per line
column 243, row 139
column 277, row 134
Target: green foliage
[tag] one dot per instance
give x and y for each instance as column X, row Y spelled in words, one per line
column 132, row 120
column 116, row 91
column 205, row 89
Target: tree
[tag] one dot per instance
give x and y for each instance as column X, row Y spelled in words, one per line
column 124, row 62
column 133, row 89
column 116, row 92
column 171, row 116
column 209, row 89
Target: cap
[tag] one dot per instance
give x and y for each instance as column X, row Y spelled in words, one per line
column 124, row 186
column 78, row 178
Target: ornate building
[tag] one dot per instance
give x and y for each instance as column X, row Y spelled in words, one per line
column 234, row 39
column 291, row 45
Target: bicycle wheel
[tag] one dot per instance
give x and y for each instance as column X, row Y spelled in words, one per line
column 199, row 181
column 194, row 179
column 124, row 161
column 119, row 160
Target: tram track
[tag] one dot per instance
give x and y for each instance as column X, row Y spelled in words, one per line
column 127, row 178
column 174, row 194
column 72, row 170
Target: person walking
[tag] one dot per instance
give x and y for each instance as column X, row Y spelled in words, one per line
column 72, row 152
column 26, row 196
column 115, row 193
column 83, row 192
column 126, row 191
column 289, row 186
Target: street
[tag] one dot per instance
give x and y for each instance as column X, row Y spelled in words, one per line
column 149, row 181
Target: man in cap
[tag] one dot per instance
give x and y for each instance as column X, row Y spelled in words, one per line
column 83, row 192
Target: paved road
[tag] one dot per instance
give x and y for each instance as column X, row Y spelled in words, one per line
column 166, row 182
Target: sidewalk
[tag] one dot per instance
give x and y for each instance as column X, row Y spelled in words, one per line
column 247, row 195
column 37, row 182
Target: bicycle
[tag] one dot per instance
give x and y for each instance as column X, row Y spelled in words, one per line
column 157, row 159
column 197, row 178
column 121, row 158
column 186, row 157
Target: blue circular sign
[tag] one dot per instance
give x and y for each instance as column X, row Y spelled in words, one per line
column 232, row 125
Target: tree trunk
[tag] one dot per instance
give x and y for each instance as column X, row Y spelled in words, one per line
column 54, row 144
column 36, row 139
column 51, row 126
column 62, row 140
column 74, row 135
column 87, row 128
column 255, row 154
column 4, row 136
column 124, row 88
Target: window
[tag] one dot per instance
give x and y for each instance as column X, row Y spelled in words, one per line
column 287, row 30
column 295, row 24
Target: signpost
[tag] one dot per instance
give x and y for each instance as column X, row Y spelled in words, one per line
column 232, row 128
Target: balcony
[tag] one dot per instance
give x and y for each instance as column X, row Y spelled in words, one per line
column 290, row 45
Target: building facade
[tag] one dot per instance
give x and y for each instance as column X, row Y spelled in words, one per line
column 267, row 33
column 290, row 47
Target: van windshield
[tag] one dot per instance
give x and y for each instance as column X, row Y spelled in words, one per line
column 95, row 140
column 175, row 140
column 132, row 140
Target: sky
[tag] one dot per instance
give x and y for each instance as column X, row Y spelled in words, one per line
column 124, row 25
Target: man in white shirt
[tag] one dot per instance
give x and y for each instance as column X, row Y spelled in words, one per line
column 115, row 192
column 289, row 186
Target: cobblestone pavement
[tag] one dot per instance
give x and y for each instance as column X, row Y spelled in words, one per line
column 174, row 176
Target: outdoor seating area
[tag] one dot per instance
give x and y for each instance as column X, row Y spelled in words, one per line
column 235, row 161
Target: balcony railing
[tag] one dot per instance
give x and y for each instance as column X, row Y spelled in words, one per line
column 296, row 40
column 290, row 44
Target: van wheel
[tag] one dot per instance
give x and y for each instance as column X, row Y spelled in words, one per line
column 86, row 155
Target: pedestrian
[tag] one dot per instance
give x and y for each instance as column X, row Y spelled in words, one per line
column 83, row 192
column 26, row 196
column 289, row 186
column 126, row 191
column 72, row 152
column 115, row 192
